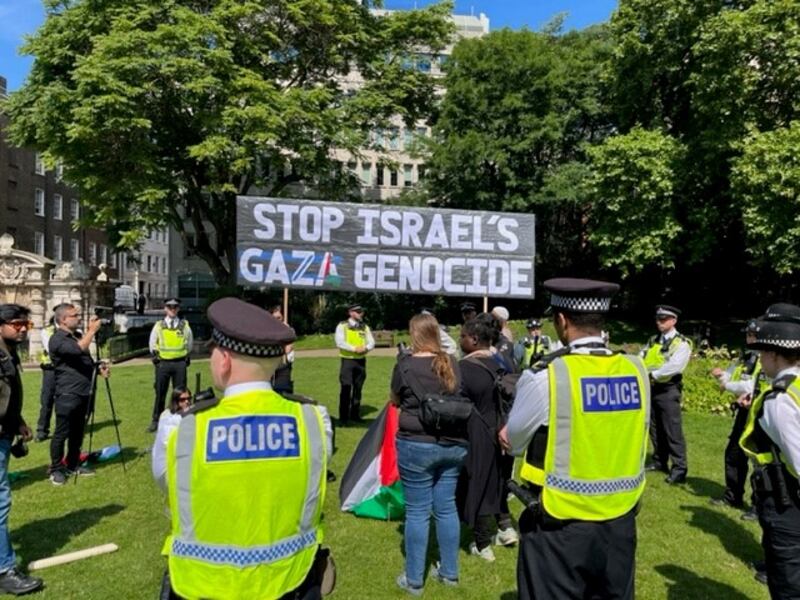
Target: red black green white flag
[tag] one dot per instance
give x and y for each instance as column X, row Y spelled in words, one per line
column 370, row 485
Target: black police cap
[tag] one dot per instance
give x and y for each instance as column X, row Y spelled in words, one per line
column 355, row 307
column 533, row 324
column 666, row 310
column 247, row 329
column 782, row 311
column 776, row 335
column 580, row 295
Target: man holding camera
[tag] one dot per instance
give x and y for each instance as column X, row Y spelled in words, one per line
column 14, row 326
column 74, row 367
column 170, row 344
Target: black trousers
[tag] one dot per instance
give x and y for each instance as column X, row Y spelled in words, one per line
column 577, row 559
column 781, row 542
column 166, row 371
column 352, row 374
column 736, row 462
column 666, row 431
column 46, row 400
column 70, row 422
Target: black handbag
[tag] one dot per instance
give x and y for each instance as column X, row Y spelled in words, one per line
column 441, row 415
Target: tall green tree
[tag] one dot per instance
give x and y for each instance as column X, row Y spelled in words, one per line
column 510, row 133
column 162, row 109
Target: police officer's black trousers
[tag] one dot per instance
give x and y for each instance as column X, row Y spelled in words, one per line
column 70, row 422
column 166, row 371
column 736, row 461
column 352, row 374
column 576, row 559
column 46, row 400
column 666, row 431
column 781, row 542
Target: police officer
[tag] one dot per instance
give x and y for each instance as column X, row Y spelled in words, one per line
column 584, row 454
column 245, row 475
column 666, row 356
column 772, row 439
column 14, row 326
column 745, row 382
column 533, row 346
column 170, row 344
column 48, row 393
column 354, row 340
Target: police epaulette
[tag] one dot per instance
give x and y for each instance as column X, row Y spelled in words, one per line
column 542, row 363
column 300, row 398
column 201, row 406
column 782, row 384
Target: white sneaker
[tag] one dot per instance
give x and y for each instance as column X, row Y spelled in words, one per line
column 506, row 537
column 486, row 554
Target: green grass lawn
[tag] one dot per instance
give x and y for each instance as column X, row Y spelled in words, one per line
column 687, row 549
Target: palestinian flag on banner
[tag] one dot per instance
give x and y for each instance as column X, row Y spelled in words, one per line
column 371, row 484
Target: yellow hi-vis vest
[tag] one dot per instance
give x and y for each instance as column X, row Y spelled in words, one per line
column 754, row 441
column 657, row 353
column 354, row 337
column 543, row 347
column 44, row 353
column 246, row 482
column 171, row 343
column 593, row 467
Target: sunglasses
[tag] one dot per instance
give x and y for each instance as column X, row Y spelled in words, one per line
column 20, row 325
column 185, row 399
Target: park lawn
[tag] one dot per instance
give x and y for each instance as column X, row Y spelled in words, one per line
column 687, row 549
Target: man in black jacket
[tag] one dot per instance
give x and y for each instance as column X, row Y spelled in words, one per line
column 14, row 327
column 74, row 367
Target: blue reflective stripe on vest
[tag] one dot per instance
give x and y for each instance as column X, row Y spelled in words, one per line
column 594, row 487
column 241, row 556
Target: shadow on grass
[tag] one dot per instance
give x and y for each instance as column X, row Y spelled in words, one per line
column 685, row 585
column 43, row 538
column 734, row 537
column 99, row 426
column 705, row 488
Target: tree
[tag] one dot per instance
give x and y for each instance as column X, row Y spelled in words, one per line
column 633, row 223
column 766, row 180
column 161, row 109
column 511, row 130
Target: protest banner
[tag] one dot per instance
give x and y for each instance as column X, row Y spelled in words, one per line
column 390, row 249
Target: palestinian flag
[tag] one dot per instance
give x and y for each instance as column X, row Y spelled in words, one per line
column 371, row 484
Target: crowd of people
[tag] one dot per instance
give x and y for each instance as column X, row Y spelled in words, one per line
column 579, row 418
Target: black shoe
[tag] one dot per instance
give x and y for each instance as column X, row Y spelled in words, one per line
column 761, row 577
column 725, row 501
column 758, row 565
column 58, row 477
column 16, row 582
column 153, row 427
column 40, row 437
column 750, row 515
column 654, row 466
column 674, row 478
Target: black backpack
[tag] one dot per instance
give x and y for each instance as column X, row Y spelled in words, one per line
column 505, row 387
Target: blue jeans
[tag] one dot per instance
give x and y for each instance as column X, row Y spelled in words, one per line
column 8, row 559
column 429, row 473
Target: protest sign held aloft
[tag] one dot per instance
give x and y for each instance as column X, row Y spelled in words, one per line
column 373, row 248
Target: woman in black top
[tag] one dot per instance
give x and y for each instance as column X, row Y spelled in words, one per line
column 429, row 466
column 481, row 493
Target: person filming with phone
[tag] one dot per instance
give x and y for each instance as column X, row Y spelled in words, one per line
column 74, row 367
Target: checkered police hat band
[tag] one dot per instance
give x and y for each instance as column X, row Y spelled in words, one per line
column 266, row 351
column 778, row 343
column 579, row 304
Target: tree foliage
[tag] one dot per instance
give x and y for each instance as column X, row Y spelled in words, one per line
column 165, row 109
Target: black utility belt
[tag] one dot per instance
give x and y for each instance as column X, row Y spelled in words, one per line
column 775, row 481
column 181, row 359
column 548, row 521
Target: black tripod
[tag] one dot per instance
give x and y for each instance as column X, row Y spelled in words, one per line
column 90, row 412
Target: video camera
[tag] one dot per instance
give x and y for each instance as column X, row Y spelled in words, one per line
column 206, row 394
column 105, row 314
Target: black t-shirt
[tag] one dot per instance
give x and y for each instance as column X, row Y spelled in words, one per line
column 73, row 365
column 409, row 427
column 11, row 380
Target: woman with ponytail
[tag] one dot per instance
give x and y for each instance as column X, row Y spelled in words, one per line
column 429, row 465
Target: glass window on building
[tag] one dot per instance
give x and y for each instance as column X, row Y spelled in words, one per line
column 424, row 63
column 164, row 266
column 58, row 207
column 379, row 175
column 59, row 171
column 408, row 175
column 104, row 254
column 38, row 243
column 149, row 264
column 420, row 172
column 393, row 178
column 74, row 250
column 74, row 210
column 38, row 202
column 92, row 254
column 379, row 139
column 38, row 165
column 366, row 173
column 58, row 248
column 422, row 132
column 408, row 138
column 394, row 139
